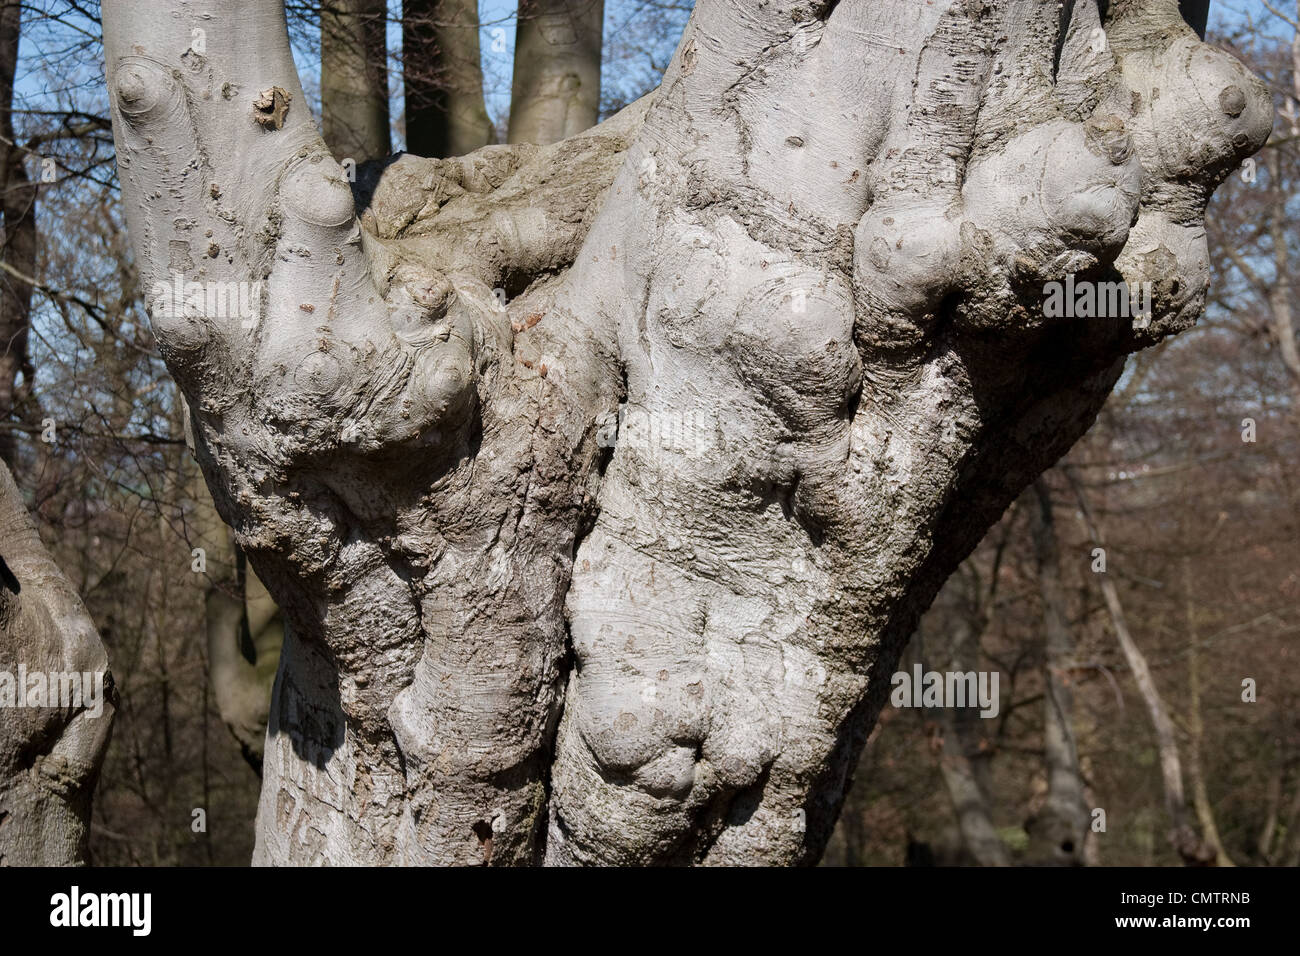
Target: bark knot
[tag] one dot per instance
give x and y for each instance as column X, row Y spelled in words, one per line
column 270, row 108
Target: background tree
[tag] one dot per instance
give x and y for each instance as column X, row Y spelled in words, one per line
column 556, row 88
column 354, row 79
column 18, row 252
column 445, row 112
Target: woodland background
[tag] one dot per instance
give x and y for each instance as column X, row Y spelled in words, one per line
column 1198, row 525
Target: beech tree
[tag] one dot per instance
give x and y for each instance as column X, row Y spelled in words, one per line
column 51, row 749
column 443, row 78
column 354, row 78
column 555, row 90
column 617, row 570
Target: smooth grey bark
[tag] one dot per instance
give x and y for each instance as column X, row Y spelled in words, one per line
column 555, row 91
column 1058, row 831
column 49, row 755
column 811, row 278
column 354, row 79
column 445, row 111
column 1279, row 292
column 1276, row 288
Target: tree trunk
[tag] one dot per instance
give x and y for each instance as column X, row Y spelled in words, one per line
column 445, row 112
column 56, row 700
column 1182, row 835
column 1057, row 832
column 555, row 92
column 1196, row 731
column 354, row 79
column 17, row 247
column 1264, row 845
column 963, row 762
column 809, row 272
column 1279, row 291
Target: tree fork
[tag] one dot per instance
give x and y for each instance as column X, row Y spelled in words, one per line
column 813, row 290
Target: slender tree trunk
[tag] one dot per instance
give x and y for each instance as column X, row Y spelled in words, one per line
column 808, row 272
column 1279, row 291
column 1196, row 729
column 445, row 111
column 556, row 88
column 17, row 245
column 1057, row 833
column 354, row 79
column 1290, row 852
column 963, row 762
column 51, row 749
column 1264, row 845
column 1182, row 835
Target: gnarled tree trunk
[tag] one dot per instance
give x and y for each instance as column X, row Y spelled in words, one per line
column 810, row 275
column 56, row 700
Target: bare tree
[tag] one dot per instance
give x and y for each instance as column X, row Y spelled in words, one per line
column 1184, row 837
column 959, row 614
column 1058, row 830
column 815, row 291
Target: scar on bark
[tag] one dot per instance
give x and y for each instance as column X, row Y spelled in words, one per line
column 270, row 107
